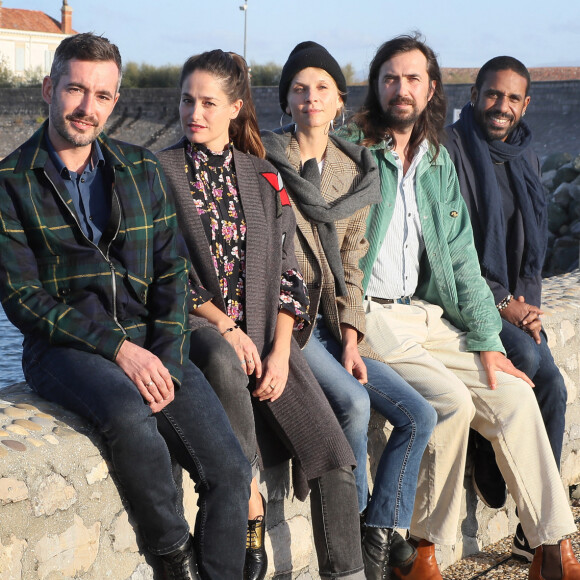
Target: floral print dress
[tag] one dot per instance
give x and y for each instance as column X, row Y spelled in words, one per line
column 214, row 188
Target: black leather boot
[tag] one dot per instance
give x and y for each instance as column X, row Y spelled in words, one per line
column 363, row 523
column 383, row 548
column 180, row 564
column 402, row 553
column 375, row 549
column 256, row 562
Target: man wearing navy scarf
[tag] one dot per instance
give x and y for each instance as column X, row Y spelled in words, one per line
column 499, row 176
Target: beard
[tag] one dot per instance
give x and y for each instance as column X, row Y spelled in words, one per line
column 61, row 124
column 396, row 119
column 491, row 132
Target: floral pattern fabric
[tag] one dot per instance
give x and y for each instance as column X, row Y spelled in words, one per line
column 214, row 188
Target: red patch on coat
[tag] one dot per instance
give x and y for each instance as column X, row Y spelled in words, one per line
column 272, row 179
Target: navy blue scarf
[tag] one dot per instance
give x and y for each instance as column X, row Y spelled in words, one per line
column 528, row 192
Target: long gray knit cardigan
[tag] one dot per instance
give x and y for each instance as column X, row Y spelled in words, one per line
column 303, row 414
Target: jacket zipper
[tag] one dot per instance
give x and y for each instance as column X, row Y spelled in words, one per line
column 105, row 257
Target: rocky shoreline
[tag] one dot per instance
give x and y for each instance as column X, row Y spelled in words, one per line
column 561, row 179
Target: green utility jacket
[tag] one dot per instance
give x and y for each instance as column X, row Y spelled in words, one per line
column 56, row 285
column 450, row 275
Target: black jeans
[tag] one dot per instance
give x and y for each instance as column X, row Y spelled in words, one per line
column 217, row 359
column 333, row 499
column 193, row 428
column 333, row 503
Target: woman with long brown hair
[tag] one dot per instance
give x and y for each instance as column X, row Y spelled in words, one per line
column 247, row 296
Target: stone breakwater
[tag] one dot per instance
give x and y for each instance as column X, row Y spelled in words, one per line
column 62, row 514
column 561, row 178
column 149, row 117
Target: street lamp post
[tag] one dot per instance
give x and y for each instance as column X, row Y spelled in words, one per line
column 244, row 8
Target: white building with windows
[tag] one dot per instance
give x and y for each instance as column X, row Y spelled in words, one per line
column 28, row 38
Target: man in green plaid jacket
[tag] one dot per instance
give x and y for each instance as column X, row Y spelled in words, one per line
column 91, row 275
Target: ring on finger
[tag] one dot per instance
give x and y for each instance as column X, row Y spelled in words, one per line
column 272, row 387
column 250, row 361
column 150, row 383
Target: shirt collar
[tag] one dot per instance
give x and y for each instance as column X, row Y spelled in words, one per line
column 421, row 150
column 97, row 159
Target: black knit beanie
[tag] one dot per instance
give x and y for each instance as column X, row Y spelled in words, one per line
column 309, row 54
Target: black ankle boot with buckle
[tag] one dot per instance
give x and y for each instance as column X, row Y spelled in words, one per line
column 256, row 562
column 180, row 564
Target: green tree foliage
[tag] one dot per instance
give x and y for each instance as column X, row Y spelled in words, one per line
column 5, row 73
column 265, row 75
column 30, row 78
column 268, row 75
column 349, row 74
column 149, row 76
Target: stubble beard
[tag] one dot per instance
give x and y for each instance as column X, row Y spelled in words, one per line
column 60, row 125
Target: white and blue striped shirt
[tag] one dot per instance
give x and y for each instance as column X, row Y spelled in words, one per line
column 395, row 272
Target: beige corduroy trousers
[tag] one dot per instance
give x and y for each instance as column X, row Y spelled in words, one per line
column 430, row 354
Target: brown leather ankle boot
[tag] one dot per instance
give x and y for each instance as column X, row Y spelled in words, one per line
column 560, row 566
column 424, row 566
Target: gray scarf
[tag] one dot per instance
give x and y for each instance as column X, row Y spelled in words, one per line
column 305, row 191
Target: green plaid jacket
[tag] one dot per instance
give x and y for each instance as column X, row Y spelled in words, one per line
column 58, row 286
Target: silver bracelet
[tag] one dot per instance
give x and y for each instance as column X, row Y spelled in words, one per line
column 230, row 329
column 502, row 304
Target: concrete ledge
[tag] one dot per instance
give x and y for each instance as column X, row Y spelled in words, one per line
column 62, row 515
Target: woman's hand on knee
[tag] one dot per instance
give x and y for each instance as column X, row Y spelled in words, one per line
column 246, row 351
column 354, row 364
column 272, row 383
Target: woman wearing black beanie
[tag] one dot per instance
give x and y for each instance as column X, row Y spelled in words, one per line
column 331, row 183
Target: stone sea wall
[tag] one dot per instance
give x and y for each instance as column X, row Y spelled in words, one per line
column 149, row 117
column 62, row 515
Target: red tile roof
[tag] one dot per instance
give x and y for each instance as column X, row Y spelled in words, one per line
column 28, row 20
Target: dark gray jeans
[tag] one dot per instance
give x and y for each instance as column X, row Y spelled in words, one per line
column 217, row 360
column 333, row 498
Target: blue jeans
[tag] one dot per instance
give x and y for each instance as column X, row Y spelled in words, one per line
column 537, row 362
column 193, row 428
column 412, row 418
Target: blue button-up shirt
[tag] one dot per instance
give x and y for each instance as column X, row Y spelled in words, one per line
column 90, row 197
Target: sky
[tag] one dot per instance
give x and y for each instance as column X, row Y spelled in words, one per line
column 463, row 33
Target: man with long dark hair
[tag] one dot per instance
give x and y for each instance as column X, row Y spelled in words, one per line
column 431, row 315
column 499, row 177
column 91, row 276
